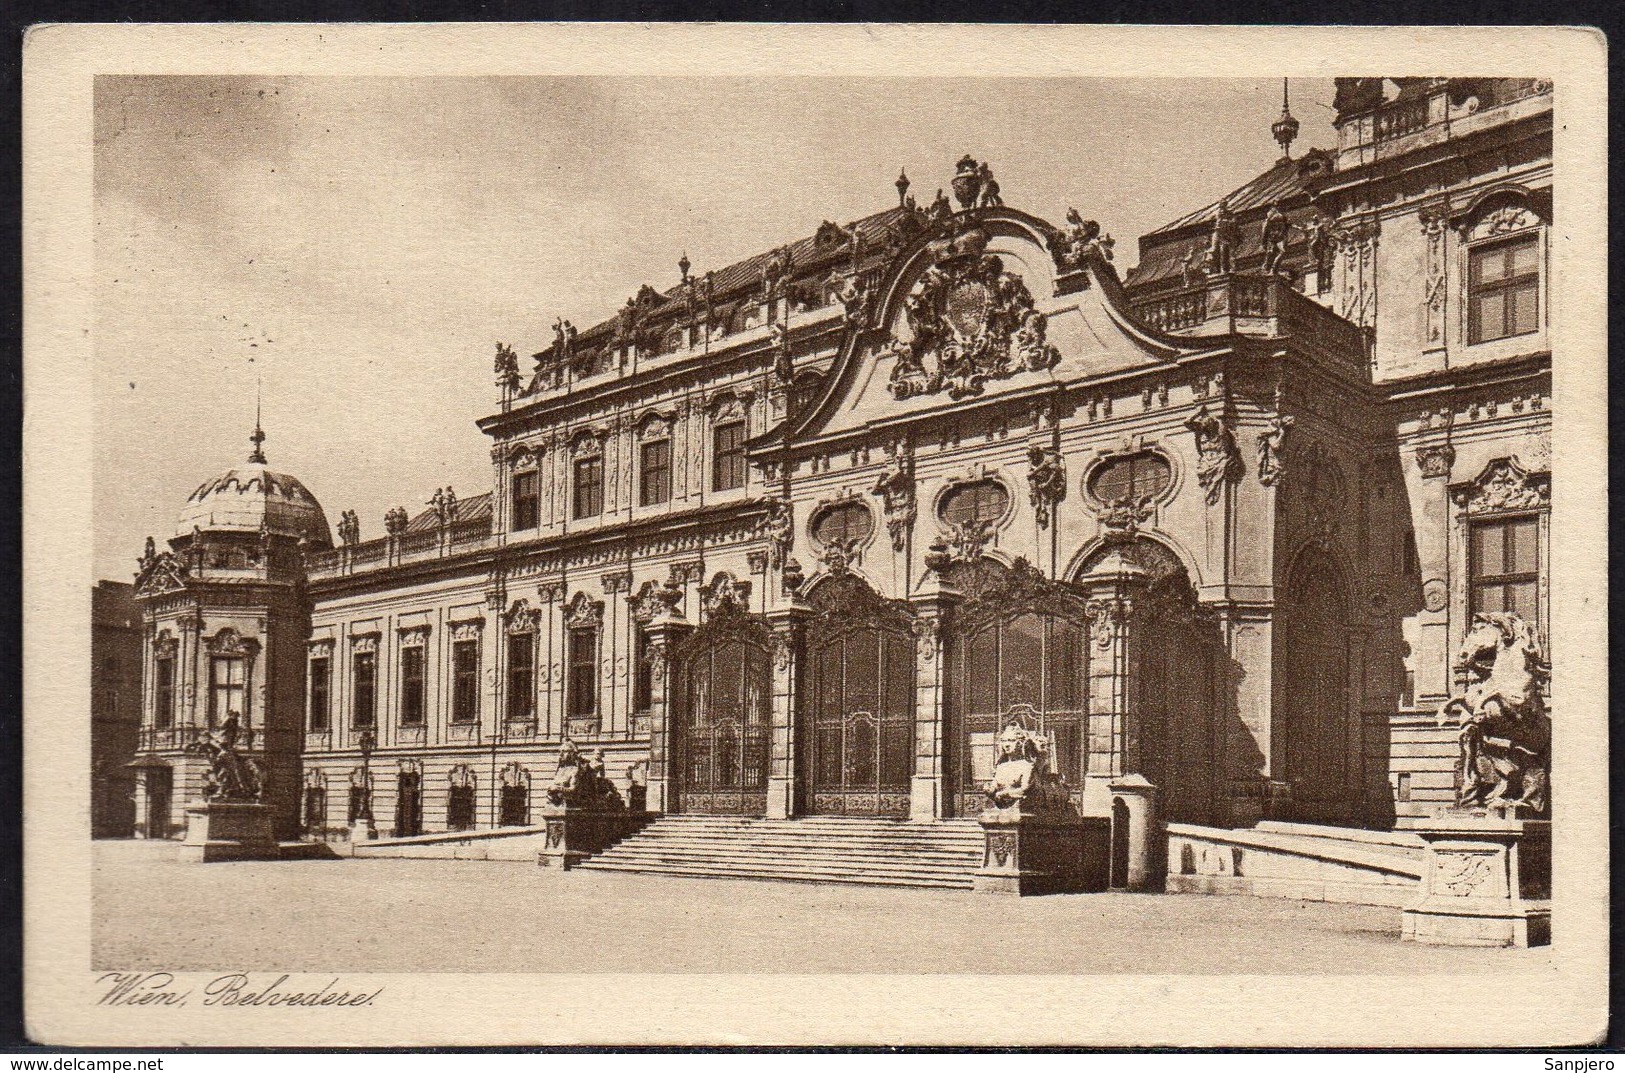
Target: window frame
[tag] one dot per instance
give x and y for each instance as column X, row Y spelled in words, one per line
column 1134, row 460
column 521, row 680
column 369, row 659
column 661, row 494
column 581, row 671
column 959, row 488
column 217, row 711
column 587, row 497
column 730, row 463
column 163, row 693
column 642, row 671
column 1481, row 581
column 324, row 709
column 1530, row 280
column 465, row 683
column 526, row 509
column 846, row 507
column 414, row 688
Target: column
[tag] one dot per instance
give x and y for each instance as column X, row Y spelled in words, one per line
column 788, row 653
column 1113, row 680
column 928, row 790
column 665, row 632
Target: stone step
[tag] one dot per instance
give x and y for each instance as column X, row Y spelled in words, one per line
column 813, row 850
column 822, row 859
column 937, row 882
column 793, row 842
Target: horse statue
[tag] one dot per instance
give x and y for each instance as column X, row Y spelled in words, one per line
column 1505, row 731
column 231, row 775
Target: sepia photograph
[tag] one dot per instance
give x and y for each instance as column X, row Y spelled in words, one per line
column 935, row 527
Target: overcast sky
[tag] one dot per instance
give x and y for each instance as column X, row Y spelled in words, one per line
column 361, row 244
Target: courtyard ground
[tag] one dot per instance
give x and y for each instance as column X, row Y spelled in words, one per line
column 153, row 912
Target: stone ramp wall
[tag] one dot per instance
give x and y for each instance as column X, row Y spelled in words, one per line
column 1306, row 861
column 502, row 844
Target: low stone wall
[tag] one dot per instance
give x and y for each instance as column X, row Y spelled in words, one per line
column 1304, row 861
column 502, row 844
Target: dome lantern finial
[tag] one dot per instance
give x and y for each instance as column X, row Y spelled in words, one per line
column 1285, row 129
column 902, row 185
column 258, row 438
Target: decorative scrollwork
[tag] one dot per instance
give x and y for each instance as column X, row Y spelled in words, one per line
column 970, row 321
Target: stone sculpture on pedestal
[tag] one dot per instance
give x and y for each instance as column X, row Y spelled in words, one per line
column 1034, row 842
column 1487, row 880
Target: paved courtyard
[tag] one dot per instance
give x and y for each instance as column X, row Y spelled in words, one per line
column 153, row 912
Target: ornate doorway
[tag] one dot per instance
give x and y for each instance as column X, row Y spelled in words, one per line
column 858, row 720
column 1178, row 691
column 1313, row 688
column 160, row 794
column 1017, row 653
column 725, row 698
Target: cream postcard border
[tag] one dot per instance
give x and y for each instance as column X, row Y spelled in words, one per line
column 1562, row 1001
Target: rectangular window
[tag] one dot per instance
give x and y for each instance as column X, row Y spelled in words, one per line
column 521, row 677
column 465, row 676
column 1503, row 567
column 163, row 702
column 412, row 664
column 227, row 687
column 321, row 689
column 642, row 674
column 654, row 473
column 583, row 684
column 588, row 491
column 364, row 670
column 526, row 504
column 728, row 457
column 1503, row 290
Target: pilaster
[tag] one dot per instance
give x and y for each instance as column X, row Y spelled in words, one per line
column 933, row 609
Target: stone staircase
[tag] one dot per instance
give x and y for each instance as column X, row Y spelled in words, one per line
column 813, row 849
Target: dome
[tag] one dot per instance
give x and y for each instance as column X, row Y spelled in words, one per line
column 249, row 496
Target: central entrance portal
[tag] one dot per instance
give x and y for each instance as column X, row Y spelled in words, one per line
column 859, row 711
column 723, row 727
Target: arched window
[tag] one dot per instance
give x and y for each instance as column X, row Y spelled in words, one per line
column 1130, row 478
column 978, row 501
column 843, row 522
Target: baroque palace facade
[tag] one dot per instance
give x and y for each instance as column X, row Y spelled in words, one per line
column 802, row 535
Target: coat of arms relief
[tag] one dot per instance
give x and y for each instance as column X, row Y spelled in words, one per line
column 970, row 321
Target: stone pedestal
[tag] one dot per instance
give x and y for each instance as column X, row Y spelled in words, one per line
column 574, row 834
column 229, row 831
column 1136, row 834
column 1052, row 853
column 1487, row 883
column 362, row 830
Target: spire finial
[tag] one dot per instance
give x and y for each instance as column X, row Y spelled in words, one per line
column 1285, row 129
column 258, row 438
column 902, row 185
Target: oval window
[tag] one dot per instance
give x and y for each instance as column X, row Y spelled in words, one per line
column 1131, row 478
column 980, row 501
column 842, row 522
